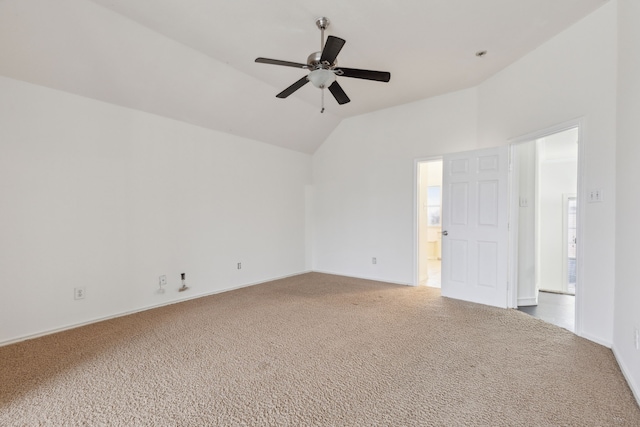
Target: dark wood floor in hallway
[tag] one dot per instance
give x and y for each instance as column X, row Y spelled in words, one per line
column 557, row 309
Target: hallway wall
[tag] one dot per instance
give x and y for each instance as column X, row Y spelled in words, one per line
column 557, row 176
column 627, row 230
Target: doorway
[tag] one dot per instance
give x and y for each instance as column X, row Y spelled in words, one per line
column 429, row 222
column 471, row 231
column 545, row 208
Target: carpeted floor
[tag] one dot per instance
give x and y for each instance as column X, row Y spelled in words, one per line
column 320, row 350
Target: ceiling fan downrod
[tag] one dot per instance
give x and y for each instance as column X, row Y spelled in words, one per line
column 322, row 24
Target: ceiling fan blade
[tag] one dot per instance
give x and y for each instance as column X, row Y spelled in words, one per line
column 278, row 62
column 294, row 87
column 331, row 49
column 338, row 93
column 380, row 76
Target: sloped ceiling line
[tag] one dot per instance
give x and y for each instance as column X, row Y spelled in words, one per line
column 193, row 60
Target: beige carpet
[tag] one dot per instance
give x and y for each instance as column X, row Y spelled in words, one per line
column 317, row 350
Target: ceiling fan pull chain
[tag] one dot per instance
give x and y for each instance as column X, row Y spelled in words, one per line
column 322, row 100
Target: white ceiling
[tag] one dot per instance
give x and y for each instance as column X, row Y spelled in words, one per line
column 193, row 60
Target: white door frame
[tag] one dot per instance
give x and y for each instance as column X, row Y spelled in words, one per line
column 416, row 225
column 581, row 193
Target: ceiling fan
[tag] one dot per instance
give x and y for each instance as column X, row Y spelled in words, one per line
column 324, row 68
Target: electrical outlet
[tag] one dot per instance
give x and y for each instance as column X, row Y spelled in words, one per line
column 239, row 266
column 162, row 281
column 374, row 260
column 79, row 293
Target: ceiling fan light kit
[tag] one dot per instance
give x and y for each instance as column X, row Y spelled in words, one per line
column 324, row 70
column 321, row 78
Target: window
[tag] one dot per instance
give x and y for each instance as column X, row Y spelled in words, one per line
column 433, row 205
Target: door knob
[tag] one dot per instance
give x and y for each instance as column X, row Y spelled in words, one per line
column 445, row 233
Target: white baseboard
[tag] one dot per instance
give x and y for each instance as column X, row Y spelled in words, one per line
column 527, row 302
column 375, row 279
column 635, row 388
column 138, row 310
column 596, row 340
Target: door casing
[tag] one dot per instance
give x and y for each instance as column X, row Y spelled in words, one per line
column 578, row 123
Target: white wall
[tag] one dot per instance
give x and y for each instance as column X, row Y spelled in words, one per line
column 525, row 164
column 109, row 198
column 627, row 230
column 364, row 183
column 556, row 178
column 363, row 174
column 560, row 81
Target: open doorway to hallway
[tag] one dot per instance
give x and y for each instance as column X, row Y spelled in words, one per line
column 545, row 207
column 429, row 222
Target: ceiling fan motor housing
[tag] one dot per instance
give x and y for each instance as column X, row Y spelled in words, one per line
column 322, row 74
column 314, row 63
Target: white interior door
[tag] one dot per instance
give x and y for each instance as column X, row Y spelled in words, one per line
column 474, row 224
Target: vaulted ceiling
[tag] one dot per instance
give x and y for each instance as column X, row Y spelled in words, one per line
column 193, row 60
